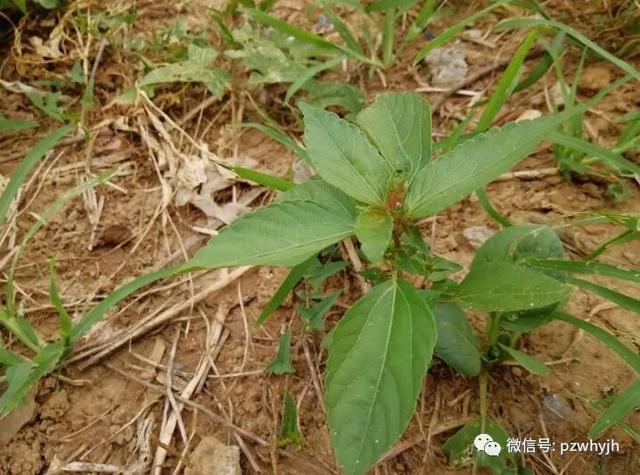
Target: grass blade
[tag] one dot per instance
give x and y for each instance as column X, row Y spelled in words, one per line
column 491, row 210
column 263, row 179
column 11, row 125
column 608, row 157
column 448, row 34
column 419, row 24
column 610, row 341
column 280, row 137
column 528, row 362
column 343, row 30
column 623, row 404
column 579, row 267
column 305, row 36
column 65, row 320
column 97, row 312
column 29, row 161
column 9, row 358
column 626, row 236
column 536, row 73
column 622, row 300
column 43, row 219
column 292, row 279
column 538, row 22
column 309, row 74
column 507, row 82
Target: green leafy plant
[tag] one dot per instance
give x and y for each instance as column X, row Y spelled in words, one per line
column 21, row 373
column 574, row 153
column 382, row 15
column 377, row 178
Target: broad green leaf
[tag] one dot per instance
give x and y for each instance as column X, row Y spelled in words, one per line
column 324, row 194
column 399, row 124
column 10, row 125
column 287, row 286
column 18, row 378
column 289, row 434
column 281, row 364
column 528, row 362
column 461, row 451
column 343, row 156
column 29, row 161
column 373, row 229
column 474, row 163
column 282, row 234
column 505, row 287
column 517, row 244
column 623, row 404
column 458, row 344
column 611, row 342
column 378, row 356
column 195, row 69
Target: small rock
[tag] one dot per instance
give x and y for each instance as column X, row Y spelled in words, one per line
column 516, row 371
column 594, row 78
column 114, row 235
column 529, row 114
column 55, row 406
column 212, row 457
column 556, row 408
column 448, row 65
column 477, row 235
column 302, row 171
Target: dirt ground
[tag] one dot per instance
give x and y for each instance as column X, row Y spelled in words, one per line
column 196, row 334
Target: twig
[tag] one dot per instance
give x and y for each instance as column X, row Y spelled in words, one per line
column 100, row 350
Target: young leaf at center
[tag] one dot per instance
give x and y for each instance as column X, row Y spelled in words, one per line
column 378, row 356
column 399, row 125
column 343, row 156
column 373, row 229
